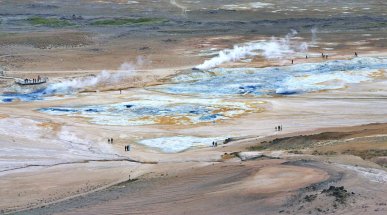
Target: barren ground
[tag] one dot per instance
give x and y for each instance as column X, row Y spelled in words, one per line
column 331, row 156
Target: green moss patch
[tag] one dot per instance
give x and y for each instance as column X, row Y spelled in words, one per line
column 49, row 22
column 129, row 21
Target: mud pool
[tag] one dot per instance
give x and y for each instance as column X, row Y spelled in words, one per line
column 164, row 110
column 300, row 78
column 210, row 96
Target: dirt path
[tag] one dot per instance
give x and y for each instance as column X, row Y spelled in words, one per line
column 223, row 188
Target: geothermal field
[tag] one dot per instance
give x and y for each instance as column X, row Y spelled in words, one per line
column 193, row 107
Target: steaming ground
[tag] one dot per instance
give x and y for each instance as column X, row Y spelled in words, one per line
column 54, row 136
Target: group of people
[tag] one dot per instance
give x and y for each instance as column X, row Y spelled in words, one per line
column 214, row 144
column 278, row 128
column 127, row 148
column 34, row 80
column 324, row 56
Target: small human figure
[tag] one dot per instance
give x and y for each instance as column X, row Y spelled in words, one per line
column 322, row 55
column 292, row 61
column 276, row 128
column 355, row 54
column 216, row 144
column 306, row 57
column 213, row 144
column 326, row 56
column 125, row 148
column 109, row 140
column 128, row 147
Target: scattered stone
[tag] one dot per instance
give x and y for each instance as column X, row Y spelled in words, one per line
column 311, row 187
column 144, row 48
column 169, row 40
column 249, row 155
column 227, row 156
column 339, row 193
column 227, row 140
column 310, row 198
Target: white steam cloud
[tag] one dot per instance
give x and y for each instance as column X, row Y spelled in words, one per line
column 104, row 77
column 314, row 34
column 183, row 8
column 275, row 48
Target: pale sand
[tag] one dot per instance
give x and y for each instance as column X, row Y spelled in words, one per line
column 296, row 113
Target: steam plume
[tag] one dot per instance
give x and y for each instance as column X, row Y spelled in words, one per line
column 314, row 34
column 126, row 70
column 275, row 48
